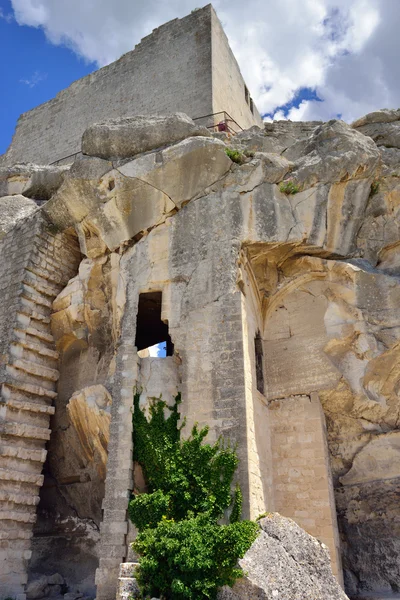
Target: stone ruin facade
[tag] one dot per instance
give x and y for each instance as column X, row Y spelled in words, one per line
column 281, row 317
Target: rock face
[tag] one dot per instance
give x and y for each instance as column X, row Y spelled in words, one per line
column 12, row 210
column 32, row 181
column 123, row 138
column 273, row 284
column 284, row 562
column 117, row 204
column 383, row 126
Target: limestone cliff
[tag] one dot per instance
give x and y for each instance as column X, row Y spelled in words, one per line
column 277, row 281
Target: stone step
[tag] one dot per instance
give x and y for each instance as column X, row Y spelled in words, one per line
column 29, row 309
column 9, row 388
column 22, row 376
column 35, row 369
column 26, row 431
column 28, row 406
column 22, row 534
column 39, row 349
column 21, row 477
column 41, row 335
column 31, row 294
column 127, row 569
column 19, row 517
column 127, row 588
column 24, row 499
column 25, row 454
column 46, row 273
column 43, row 286
column 19, row 351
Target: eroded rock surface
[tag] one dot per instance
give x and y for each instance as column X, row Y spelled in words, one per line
column 284, row 562
column 14, row 209
column 32, row 181
column 383, row 126
column 123, row 138
column 297, row 246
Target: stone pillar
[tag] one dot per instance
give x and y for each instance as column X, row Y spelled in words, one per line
column 302, row 474
column 119, row 480
column 154, row 376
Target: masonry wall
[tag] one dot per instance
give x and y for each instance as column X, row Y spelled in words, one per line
column 259, row 449
column 228, row 83
column 302, row 474
column 169, row 71
column 35, row 264
column 192, row 259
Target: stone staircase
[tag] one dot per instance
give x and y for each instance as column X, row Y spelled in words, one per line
column 127, row 585
column 27, row 395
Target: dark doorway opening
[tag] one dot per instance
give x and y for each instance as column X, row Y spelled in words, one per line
column 258, row 349
column 150, row 329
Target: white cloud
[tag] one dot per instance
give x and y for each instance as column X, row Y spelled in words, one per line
column 346, row 51
column 34, row 79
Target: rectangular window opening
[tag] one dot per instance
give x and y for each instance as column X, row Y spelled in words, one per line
column 259, row 355
column 252, row 105
column 246, row 94
column 151, row 332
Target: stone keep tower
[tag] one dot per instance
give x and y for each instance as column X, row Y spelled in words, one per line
column 184, row 66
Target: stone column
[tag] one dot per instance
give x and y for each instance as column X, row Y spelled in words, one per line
column 302, row 473
column 119, row 479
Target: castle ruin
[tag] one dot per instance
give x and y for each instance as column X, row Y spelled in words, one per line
column 273, row 282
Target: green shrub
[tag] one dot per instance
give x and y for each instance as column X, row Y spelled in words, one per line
column 184, row 551
column 235, row 156
column 289, row 187
column 375, row 185
column 191, row 558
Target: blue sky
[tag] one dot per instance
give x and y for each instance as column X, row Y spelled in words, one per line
column 303, row 60
column 32, row 70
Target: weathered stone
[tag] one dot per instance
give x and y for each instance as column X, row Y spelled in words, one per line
column 274, row 167
column 335, row 153
column 385, row 115
column 46, row 586
column 89, row 413
column 174, row 170
column 275, row 137
column 283, row 311
column 390, row 161
column 37, row 589
column 377, row 460
column 284, row 562
column 383, row 134
column 123, row 138
column 12, row 210
column 383, row 126
column 32, row 181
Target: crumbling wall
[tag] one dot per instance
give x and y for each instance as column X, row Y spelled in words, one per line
column 250, row 276
column 36, row 263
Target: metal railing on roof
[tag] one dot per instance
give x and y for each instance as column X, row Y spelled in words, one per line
column 59, row 160
column 219, row 121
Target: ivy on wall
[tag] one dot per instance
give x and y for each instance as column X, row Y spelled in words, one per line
column 185, row 551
